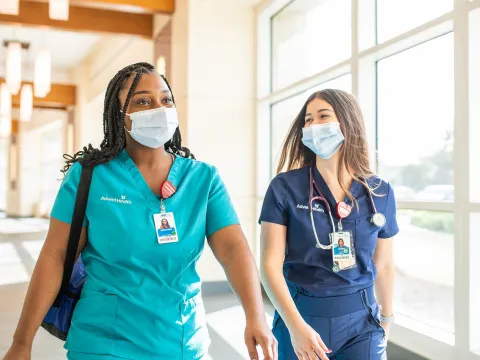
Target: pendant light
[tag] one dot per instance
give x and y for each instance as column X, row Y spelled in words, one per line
column 58, row 10
column 13, row 68
column 5, row 111
column 43, row 74
column 5, row 101
column 9, row 7
column 26, row 102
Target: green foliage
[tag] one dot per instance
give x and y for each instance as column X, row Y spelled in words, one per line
column 433, row 220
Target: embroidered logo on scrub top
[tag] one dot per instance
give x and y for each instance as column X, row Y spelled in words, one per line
column 122, row 200
column 316, row 207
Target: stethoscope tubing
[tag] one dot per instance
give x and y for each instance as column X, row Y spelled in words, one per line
column 322, row 198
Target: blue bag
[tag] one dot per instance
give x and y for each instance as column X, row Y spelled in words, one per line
column 58, row 318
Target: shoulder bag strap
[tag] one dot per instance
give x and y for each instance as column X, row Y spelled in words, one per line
column 75, row 228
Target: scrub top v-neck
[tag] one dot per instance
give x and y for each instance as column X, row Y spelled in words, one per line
column 142, row 299
column 306, row 268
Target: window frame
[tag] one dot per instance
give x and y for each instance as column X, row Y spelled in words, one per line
column 362, row 67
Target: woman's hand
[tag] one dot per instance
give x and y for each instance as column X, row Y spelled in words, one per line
column 18, row 352
column 257, row 332
column 386, row 327
column 308, row 345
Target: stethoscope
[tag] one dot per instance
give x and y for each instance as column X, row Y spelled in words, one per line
column 378, row 219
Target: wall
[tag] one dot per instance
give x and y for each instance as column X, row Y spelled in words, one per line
column 92, row 76
column 213, row 79
column 27, row 198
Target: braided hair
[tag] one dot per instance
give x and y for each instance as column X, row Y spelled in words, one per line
column 114, row 121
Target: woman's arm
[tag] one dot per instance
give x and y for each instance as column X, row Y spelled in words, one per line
column 231, row 250
column 44, row 285
column 384, row 283
column 273, row 243
column 304, row 338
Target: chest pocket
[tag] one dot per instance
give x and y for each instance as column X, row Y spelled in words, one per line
column 366, row 234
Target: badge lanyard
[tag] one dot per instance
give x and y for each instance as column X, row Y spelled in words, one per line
column 167, row 189
column 343, row 210
column 165, row 226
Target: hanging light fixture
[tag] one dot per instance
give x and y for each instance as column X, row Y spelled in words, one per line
column 5, row 111
column 5, row 101
column 43, row 74
column 26, row 102
column 9, row 7
column 58, row 10
column 5, row 127
column 13, row 68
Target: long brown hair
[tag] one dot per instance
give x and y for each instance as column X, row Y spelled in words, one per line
column 354, row 156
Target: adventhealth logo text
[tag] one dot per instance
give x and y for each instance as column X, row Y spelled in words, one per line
column 316, row 207
column 122, row 200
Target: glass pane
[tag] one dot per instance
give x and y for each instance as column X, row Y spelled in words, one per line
column 415, row 134
column 3, row 173
column 309, row 36
column 474, row 283
column 284, row 113
column 474, row 85
column 424, row 288
column 397, row 17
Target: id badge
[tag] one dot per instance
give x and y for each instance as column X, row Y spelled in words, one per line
column 343, row 250
column 165, row 228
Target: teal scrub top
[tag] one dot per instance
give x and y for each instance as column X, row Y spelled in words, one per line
column 141, row 299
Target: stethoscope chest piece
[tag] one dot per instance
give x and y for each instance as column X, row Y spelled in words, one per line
column 379, row 219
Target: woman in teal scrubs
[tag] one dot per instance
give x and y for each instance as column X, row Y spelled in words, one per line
column 142, row 297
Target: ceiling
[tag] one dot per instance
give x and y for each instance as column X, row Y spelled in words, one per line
column 67, row 48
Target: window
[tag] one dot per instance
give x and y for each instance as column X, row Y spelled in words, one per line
column 474, row 131
column 309, row 36
column 474, row 82
column 397, row 17
column 474, row 283
column 424, row 264
column 3, row 173
column 285, row 112
column 415, row 121
column 423, row 131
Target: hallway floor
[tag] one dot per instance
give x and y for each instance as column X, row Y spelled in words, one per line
column 20, row 244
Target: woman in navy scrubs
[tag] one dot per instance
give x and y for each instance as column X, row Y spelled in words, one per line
column 326, row 306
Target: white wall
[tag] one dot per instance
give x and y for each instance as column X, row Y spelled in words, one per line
column 27, row 198
column 213, row 78
column 92, row 76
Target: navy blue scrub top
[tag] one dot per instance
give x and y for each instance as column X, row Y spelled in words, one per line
column 308, row 269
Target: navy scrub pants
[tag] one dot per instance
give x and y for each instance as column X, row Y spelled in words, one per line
column 348, row 325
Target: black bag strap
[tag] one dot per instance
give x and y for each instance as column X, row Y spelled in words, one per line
column 75, row 229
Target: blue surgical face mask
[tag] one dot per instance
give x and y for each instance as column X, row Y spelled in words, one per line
column 323, row 139
column 153, row 128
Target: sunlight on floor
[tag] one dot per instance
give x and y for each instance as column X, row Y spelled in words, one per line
column 233, row 334
column 12, row 270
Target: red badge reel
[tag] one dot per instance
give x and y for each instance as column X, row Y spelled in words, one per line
column 167, row 189
column 343, row 210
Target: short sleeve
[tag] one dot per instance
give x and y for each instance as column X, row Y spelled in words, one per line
column 65, row 201
column 273, row 208
column 220, row 210
column 391, row 227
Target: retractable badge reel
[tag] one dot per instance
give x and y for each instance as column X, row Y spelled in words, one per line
column 343, row 251
column 165, row 227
